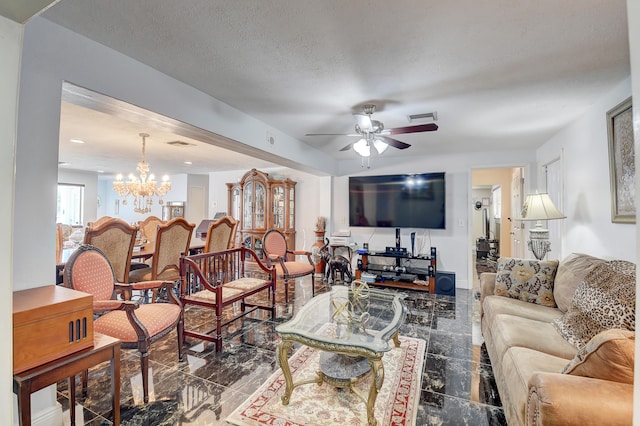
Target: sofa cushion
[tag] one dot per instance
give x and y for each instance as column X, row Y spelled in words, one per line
column 510, row 330
column 495, row 305
column 519, row 366
column 571, row 272
column 608, row 356
column 526, row 279
column 606, row 299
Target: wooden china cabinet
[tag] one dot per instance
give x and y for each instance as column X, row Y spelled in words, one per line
column 261, row 203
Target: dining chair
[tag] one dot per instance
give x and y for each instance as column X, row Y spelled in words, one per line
column 136, row 325
column 172, row 240
column 221, row 234
column 99, row 221
column 149, row 227
column 116, row 238
column 274, row 245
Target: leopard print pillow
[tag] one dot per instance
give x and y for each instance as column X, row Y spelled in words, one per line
column 605, row 299
column 526, row 279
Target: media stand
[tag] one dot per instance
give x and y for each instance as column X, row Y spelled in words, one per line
column 406, row 271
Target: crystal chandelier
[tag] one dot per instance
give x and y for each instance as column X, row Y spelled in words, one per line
column 142, row 188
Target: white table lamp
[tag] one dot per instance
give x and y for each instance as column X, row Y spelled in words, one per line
column 539, row 207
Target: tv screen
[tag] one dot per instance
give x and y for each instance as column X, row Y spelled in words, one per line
column 398, row 201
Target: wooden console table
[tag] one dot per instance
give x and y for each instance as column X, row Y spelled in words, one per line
column 105, row 348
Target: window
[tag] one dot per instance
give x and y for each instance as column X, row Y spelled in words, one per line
column 70, row 204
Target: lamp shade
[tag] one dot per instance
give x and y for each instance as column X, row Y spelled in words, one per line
column 540, row 207
column 362, row 148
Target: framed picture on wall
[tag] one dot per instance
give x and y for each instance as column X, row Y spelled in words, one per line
column 622, row 169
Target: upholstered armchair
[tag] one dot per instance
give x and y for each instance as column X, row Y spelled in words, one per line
column 275, row 248
column 137, row 325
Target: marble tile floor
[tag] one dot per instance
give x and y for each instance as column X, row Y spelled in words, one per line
column 458, row 387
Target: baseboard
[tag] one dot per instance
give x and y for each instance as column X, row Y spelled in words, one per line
column 47, row 417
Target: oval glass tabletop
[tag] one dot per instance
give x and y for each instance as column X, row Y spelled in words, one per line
column 350, row 316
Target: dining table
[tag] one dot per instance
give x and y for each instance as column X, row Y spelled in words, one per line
column 145, row 251
column 141, row 253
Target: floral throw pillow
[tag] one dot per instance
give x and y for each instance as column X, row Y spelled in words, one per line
column 605, row 299
column 526, row 279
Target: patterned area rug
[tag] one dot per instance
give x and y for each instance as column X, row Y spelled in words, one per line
column 327, row 405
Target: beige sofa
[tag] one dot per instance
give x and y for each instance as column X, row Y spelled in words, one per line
column 542, row 377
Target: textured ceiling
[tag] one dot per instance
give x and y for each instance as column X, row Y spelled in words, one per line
column 500, row 74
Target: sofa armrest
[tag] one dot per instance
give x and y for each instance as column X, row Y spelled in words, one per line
column 564, row 399
column 487, row 284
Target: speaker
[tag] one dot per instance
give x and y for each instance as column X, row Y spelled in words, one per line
column 446, row 283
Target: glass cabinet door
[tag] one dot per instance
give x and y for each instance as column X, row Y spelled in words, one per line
column 260, row 219
column 278, row 207
column 247, row 223
column 292, row 209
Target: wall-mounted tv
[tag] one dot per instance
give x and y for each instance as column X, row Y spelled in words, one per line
column 398, row 201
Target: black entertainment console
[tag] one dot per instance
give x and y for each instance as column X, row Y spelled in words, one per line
column 407, row 270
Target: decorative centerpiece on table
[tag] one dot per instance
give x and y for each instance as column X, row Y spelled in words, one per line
column 320, row 229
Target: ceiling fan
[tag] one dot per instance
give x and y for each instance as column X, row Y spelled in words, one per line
column 372, row 132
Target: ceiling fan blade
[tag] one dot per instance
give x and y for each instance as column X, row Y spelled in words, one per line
column 414, row 129
column 346, row 148
column 364, row 121
column 394, row 142
column 332, row 134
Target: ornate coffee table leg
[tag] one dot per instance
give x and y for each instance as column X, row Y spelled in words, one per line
column 283, row 360
column 396, row 339
column 377, row 369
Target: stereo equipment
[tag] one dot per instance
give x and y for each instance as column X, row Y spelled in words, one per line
column 433, row 252
column 446, row 283
column 58, row 316
column 396, row 251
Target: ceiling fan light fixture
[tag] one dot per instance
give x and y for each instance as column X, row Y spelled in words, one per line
column 362, row 148
column 380, row 145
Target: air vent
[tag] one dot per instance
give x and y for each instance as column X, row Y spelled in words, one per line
column 427, row 116
column 180, row 143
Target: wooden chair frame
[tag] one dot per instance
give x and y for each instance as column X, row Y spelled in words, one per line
column 105, row 307
column 222, row 224
column 216, row 280
column 282, row 258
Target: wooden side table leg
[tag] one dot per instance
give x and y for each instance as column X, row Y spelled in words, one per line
column 115, row 384
column 72, row 399
column 24, row 404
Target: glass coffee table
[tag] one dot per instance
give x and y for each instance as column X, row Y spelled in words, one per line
column 352, row 326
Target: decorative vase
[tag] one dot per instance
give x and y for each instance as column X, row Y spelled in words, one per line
column 320, row 265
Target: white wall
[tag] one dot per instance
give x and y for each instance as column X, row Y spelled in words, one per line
column 587, row 204
column 10, row 50
column 633, row 14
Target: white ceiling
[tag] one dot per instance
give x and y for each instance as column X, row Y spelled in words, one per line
column 500, row 74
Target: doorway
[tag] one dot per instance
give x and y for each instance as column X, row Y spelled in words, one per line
column 496, row 199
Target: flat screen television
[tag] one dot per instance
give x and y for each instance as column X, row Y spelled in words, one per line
column 398, row 201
